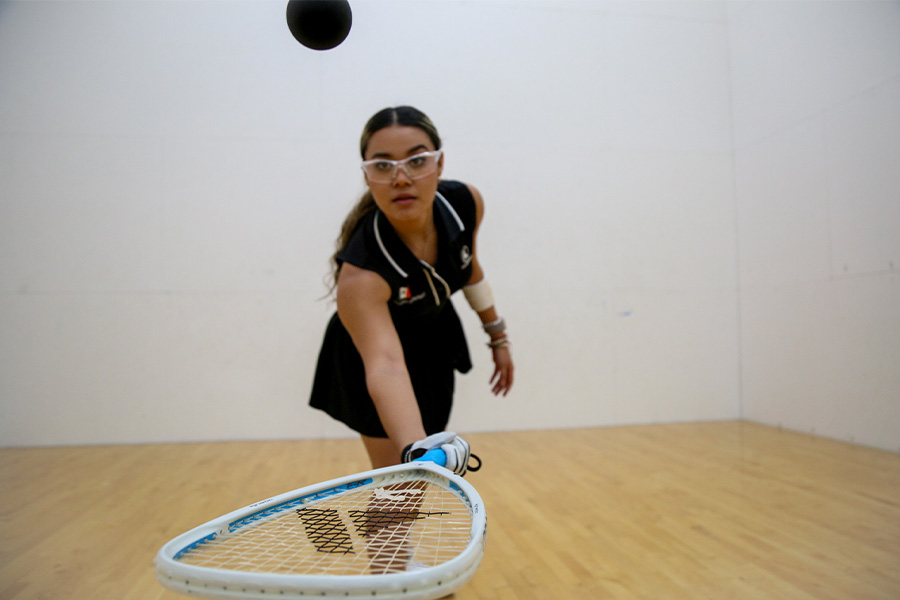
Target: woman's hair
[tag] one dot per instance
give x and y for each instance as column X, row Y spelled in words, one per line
column 399, row 115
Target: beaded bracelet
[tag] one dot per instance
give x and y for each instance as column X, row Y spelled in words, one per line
column 500, row 342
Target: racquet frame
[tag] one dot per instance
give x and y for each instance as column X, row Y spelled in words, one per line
column 432, row 581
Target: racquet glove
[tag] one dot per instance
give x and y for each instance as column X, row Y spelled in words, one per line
column 455, row 449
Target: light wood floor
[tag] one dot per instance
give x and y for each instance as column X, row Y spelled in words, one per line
column 716, row 510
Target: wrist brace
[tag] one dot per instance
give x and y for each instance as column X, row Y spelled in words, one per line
column 479, row 295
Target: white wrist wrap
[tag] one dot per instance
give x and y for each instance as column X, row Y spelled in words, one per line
column 479, row 295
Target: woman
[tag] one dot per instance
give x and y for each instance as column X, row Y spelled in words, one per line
column 387, row 361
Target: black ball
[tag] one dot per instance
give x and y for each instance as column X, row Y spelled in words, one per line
column 319, row 24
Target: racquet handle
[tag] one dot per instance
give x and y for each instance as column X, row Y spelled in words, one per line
column 436, row 455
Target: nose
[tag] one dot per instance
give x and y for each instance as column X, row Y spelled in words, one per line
column 401, row 176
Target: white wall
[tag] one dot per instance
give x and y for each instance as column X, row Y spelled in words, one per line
column 174, row 174
column 817, row 168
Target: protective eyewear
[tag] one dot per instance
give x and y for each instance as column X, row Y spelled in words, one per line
column 383, row 170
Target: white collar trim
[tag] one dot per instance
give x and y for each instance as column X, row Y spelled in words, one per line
column 455, row 216
column 384, row 251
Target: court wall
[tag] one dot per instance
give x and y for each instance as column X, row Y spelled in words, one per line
column 174, row 175
column 816, row 88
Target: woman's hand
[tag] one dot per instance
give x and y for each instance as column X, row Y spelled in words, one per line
column 502, row 379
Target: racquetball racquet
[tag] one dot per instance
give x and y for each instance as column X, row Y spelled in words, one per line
column 410, row 531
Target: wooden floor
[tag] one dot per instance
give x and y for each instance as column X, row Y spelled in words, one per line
column 716, row 510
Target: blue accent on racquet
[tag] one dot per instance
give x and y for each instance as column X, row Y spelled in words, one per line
column 436, row 455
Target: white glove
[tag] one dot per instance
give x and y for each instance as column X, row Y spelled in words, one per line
column 455, row 449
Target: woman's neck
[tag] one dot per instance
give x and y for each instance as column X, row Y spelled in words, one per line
column 420, row 237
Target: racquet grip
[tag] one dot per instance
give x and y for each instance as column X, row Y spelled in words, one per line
column 435, row 455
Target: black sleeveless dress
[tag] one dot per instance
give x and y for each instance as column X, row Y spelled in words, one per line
column 434, row 345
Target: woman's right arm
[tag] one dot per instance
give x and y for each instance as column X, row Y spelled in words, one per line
column 362, row 305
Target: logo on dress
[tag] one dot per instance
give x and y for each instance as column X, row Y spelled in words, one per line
column 465, row 256
column 404, row 296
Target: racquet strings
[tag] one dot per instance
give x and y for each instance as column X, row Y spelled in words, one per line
column 384, row 527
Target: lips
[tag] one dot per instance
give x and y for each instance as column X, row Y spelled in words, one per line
column 404, row 198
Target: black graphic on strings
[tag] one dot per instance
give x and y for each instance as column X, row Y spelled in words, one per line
column 329, row 534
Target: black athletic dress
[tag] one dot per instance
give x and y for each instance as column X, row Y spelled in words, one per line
column 434, row 345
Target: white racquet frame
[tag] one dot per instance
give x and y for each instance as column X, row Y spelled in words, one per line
column 461, row 519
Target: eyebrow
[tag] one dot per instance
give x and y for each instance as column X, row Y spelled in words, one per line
column 410, row 152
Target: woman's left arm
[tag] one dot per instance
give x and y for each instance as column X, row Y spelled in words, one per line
column 480, row 297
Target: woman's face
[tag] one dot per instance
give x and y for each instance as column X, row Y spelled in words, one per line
column 403, row 198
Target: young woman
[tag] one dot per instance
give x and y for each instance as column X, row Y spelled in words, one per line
column 386, row 367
